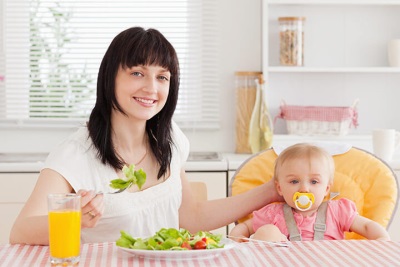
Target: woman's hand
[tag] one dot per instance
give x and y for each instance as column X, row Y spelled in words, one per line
column 92, row 207
column 270, row 188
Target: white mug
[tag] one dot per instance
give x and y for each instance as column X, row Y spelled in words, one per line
column 394, row 53
column 385, row 142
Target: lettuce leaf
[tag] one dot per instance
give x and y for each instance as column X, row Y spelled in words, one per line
column 170, row 239
column 132, row 177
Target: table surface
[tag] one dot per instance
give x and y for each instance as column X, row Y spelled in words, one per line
column 306, row 253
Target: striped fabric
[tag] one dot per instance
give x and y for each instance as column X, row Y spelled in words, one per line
column 307, row 253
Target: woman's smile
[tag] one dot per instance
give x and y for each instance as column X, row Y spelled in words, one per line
column 145, row 101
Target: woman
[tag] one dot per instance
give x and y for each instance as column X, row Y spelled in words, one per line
column 131, row 123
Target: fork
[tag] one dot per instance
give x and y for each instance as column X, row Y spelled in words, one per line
column 115, row 192
column 277, row 244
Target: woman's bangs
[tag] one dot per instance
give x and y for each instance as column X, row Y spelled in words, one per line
column 150, row 53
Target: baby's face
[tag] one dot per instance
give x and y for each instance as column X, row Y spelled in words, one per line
column 306, row 176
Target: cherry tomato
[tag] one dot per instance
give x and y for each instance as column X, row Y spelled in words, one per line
column 186, row 245
column 200, row 245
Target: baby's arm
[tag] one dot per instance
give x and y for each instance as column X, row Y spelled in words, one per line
column 369, row 229
column 244, row 229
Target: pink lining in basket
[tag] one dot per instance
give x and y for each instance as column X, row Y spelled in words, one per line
column 318, row 113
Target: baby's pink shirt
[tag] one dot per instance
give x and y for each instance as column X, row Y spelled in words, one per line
column 340, row 215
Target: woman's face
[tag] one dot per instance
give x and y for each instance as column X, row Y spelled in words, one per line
column 142, row 91
column 305, row 175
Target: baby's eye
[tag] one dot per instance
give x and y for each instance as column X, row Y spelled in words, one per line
column 294, row 181
column 314, row 182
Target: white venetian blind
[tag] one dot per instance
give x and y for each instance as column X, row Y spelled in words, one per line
column 51, row 50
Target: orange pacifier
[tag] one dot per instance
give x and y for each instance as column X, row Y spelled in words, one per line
column 303, row 201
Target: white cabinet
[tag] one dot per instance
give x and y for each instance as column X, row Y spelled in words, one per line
column 15, row 188
column 231, row 173
column 394, row 228
column 216, row 187
column 345, row 54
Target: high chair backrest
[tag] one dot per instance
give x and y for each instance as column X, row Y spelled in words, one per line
column 359, row 176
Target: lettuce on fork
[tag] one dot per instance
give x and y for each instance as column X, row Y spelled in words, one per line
column 131, row 177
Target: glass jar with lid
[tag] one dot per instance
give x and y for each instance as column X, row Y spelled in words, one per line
column 291, row 37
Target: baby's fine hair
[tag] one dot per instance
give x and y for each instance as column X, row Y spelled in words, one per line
column 309, row 151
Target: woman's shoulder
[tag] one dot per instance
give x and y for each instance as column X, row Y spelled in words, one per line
column 75, row 158
column 78, row 140
column 71, row 149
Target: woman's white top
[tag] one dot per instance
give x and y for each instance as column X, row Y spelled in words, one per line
column 140, row 214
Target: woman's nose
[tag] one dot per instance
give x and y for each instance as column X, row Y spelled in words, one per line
column 150, row 85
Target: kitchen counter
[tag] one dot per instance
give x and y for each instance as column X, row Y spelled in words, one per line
column 21, row 162
column 201, row 161
column 226, row 162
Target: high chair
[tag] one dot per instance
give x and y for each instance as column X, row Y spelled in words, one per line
column 359, row 176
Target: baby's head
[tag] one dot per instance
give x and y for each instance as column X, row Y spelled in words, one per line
column 304, row 168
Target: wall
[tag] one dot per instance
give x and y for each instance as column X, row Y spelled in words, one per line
column 240, row 49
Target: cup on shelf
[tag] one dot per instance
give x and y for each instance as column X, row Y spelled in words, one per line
column 385, row 142
column 64, row 211
column 394, row 53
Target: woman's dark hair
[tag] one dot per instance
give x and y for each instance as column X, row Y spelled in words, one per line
column 132, row 47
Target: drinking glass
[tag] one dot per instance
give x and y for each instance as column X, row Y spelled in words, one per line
column 64, row 228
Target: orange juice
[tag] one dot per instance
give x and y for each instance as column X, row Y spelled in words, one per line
column 64, row 233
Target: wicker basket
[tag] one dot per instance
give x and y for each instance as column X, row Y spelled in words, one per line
column 318, row 120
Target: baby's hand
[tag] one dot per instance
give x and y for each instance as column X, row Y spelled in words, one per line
column 239, row 239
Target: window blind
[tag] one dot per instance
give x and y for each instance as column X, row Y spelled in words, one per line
column 51, row 51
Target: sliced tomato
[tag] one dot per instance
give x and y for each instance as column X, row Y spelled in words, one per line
column 186, row 245
column 200, row 245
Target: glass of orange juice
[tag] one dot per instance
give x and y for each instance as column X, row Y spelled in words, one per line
column 64, row 228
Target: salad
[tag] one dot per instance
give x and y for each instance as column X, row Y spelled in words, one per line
column 131, row 177
column 171, row 239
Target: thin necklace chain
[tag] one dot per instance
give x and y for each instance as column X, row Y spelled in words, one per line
column 140, row 161
column 144, row 156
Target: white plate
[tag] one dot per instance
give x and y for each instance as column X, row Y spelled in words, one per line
column 181, row 254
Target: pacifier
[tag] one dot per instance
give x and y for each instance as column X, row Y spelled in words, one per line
column 303, row 201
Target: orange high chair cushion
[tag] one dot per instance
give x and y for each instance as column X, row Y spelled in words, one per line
column 359, row 176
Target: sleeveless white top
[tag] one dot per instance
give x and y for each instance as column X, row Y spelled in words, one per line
column 140, row 214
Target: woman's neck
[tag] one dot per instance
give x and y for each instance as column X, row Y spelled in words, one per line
column 130, row 140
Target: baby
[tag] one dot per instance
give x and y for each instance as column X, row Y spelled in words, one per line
column 303, row 176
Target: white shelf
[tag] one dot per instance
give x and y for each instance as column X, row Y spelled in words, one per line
column 334, row 69
column 345, row 55
column 333, row 2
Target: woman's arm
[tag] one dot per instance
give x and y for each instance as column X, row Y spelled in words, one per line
column 31, row 225
column 212, row 214
column 369, row 229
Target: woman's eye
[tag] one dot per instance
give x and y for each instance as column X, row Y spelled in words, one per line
column 163, row 78
column 136, row 73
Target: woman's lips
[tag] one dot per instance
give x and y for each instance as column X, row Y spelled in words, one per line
column 145, row 100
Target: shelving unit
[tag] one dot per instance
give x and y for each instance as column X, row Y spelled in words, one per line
column 345, row 59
